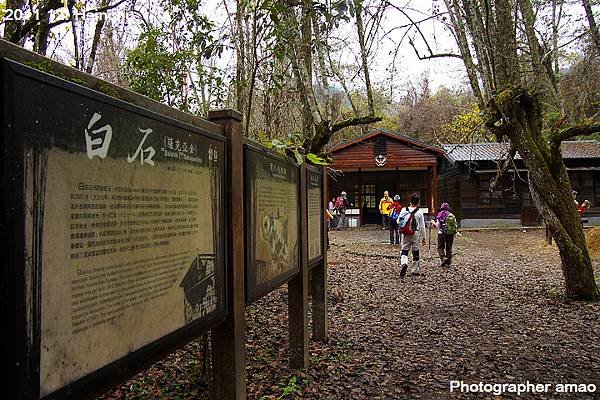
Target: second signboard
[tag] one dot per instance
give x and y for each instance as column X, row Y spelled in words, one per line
column 315, row 215
column 271, row 221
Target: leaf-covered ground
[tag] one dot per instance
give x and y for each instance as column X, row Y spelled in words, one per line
column 496, row 316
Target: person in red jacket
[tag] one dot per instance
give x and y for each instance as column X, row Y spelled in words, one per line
column 396, row 207
column 583, row 207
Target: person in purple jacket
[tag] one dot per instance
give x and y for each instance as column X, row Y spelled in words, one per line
column 444, row 240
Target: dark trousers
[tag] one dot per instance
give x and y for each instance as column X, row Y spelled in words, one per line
column 444, row 246
column 385, row 220
column 394, row 232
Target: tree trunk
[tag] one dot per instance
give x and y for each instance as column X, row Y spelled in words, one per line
column 518, row 115
column 592, row 22
column 96, row 40
column 363, row 55
column 41, row 37
column 478, row 28
column 565, row 225
column 240, row 47
column 461, row 39
column 12, row 28
column 322, row 70
column 544, row 77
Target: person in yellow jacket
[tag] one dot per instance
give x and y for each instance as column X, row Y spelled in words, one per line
column 386, row 206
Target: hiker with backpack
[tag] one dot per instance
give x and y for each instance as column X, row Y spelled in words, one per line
column 341, row 203
column 396, row 209
column 411, row 223
column 447, row 227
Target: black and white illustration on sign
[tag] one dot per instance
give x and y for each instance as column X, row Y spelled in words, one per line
column 199, row 287
column 272, row 209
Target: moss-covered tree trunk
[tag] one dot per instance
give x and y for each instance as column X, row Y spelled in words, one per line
column 517, row 114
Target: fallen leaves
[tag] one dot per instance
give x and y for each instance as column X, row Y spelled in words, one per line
column 497, row 315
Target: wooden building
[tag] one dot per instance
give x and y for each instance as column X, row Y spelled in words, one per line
column 466, row 171
column 378, row 161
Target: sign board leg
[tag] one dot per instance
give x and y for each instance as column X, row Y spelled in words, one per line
column 318, row 282
column 298, row 290
column 229, row 339
column 318, row 287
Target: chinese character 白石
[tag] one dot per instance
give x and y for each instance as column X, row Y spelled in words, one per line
column 98, row 140
column 145, row 154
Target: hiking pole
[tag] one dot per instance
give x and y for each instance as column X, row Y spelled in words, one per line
column 429, row 240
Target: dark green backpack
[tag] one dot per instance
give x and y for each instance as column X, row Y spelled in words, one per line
column 450, row 225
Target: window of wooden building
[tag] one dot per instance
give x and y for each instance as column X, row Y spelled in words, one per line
column 585, row 183
column 485, row 197
column 369, row 196
column 380, row 147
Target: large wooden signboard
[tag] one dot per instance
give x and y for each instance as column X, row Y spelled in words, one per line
column 119, row 248
column 272, row 221
column 316, row 217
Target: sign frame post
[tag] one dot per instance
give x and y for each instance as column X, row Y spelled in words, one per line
column 318, row 283
column 298, row 290
column 229, row 338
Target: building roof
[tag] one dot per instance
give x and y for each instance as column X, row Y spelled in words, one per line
column 497, row 151
column 398, row 136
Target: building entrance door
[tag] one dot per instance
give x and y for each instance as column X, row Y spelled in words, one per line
column 369, row 204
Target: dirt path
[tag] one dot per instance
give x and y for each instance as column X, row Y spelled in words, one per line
column 496, row 316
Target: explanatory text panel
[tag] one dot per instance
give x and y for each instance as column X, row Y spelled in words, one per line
column 272, row 216
column 125, row 225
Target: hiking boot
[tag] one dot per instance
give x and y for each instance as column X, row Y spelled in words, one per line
column 446, row 263
column 415, row 268
column 403, row 271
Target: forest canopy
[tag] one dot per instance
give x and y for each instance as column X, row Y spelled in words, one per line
column 314, row 71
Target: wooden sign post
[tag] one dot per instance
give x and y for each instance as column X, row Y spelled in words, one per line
column 318, row 283
column 298, row 290
column 229, row 339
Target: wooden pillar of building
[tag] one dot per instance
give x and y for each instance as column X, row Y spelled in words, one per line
column 229, row 338
column 434, row 193
column 298, row 289
column 318, row 282
column 360, row 198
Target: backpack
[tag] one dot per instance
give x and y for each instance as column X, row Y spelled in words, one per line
column 407, row 221
column 339, row 203
column 450, row 225
column 394, row 215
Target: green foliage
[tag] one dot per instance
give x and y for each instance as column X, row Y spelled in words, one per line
column 291, row 148
column 170, row 57
column 293, row 385
column 290, row 388
column 465, row 127
column 154, row 70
